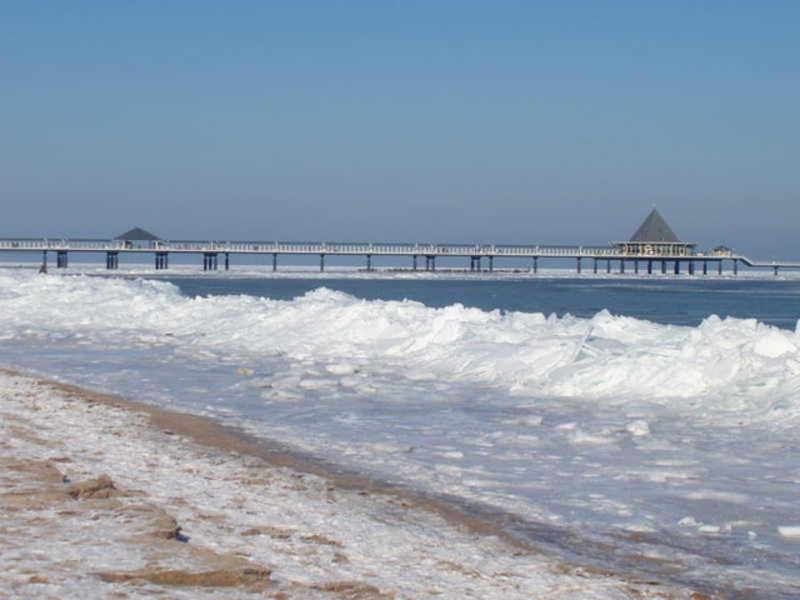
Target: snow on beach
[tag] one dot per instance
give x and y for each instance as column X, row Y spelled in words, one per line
column 97, row 502
column 677, row 442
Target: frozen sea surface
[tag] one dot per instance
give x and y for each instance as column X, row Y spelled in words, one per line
column 672, row 447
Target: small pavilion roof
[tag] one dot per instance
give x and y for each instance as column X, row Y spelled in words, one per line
column 137, row 234
column 654, row 229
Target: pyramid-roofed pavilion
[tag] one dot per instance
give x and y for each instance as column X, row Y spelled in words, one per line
column 655, row 237
column 137, row 234
column 654, row 229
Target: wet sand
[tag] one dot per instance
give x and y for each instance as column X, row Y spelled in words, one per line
column 185, row 502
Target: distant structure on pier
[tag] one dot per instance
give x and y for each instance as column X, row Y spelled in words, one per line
column 138, row 238
column 655, row 238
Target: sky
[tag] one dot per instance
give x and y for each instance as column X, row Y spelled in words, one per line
column 449, row 121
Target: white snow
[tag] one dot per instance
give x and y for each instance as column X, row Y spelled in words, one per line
column 320, row 533
column 596, row 424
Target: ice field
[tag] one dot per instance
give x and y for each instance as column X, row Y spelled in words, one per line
column 657, row 448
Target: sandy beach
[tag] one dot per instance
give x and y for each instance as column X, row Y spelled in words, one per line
column 104, row 497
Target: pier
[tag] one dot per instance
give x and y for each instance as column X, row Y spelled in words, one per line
column 652, row 250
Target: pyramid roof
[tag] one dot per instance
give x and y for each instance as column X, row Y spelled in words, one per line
column 654, row 229
column 137, row 234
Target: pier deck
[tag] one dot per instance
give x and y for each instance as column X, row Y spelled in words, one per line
column 430, row 251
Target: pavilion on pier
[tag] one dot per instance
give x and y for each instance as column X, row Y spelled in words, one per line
column 655, row 238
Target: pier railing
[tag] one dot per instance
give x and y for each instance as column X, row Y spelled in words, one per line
column 427, row 250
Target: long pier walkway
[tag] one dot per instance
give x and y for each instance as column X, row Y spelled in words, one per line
column 602, row 258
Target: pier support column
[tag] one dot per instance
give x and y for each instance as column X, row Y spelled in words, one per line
column 705, row 267
column 227, row 261
column 608, row 265
column 209, row 261
column 663, row 267
column 274, row 261
column 535, row 264
column 61, row 259
column 491, row 264
column 433, row 263
column 677, row 269
column 471, row 264
column 594, row 266
column 735, row 267
column 44, row 261
column 414, row 263
column 579, row 265
column 112, row 260
column 478, row 264
column 321, row 262
column 636, row 267
column 649, row 267
column 691, row 267
column 161, row 261
column 719, row 267
column 622, row 265
column 369, row 262
column 776, row 270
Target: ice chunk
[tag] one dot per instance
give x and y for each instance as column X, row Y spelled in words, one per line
column 790, row 531
column 774, row 344
column 638, row 428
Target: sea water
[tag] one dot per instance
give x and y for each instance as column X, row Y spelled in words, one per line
column 647, row 425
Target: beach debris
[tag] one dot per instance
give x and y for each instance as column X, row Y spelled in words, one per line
column 165, row 527
column 322, row 540
column 253, row 578
column 99, row 488
column 275, row 533
column 353, row 590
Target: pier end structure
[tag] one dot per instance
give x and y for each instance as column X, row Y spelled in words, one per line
column 654, row 238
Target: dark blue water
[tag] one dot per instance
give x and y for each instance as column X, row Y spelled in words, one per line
column 669, row 301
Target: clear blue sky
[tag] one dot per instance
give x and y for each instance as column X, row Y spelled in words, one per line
column 451, row 120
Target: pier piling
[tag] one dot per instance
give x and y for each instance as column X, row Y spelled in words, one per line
column 209, row 261
column 321, row 262
column 61, row 259
column 274, row 261
column 162, row 262
column 369, row 262
column 579, row 265
column 491, row 264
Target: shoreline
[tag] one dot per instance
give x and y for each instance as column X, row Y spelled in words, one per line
column 447, row 519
